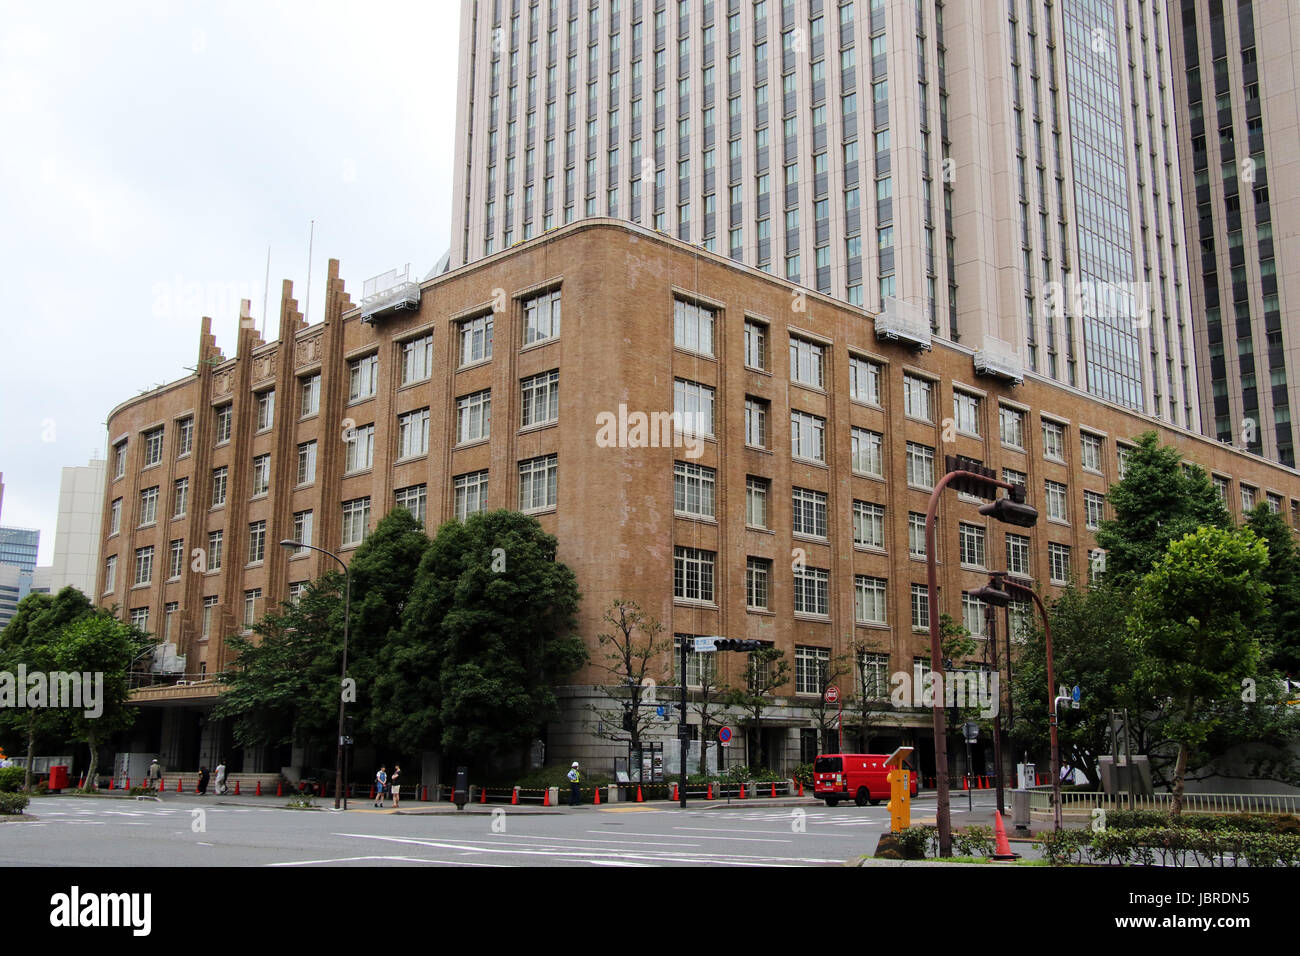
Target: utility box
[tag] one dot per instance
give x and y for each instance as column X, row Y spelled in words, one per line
column 1020, row 810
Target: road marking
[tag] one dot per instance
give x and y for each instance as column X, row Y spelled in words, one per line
column 396, row 859
column 768, row 832
column 734, row 839
column 632, row 808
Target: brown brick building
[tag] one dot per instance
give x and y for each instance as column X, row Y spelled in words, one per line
column 784, row 513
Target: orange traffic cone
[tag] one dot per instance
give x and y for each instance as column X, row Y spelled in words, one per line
column 709, row 796
column 110, row 783
column 639, row 798
column 800, row 782
column 597, row 800
column 236, row 788
column 279, row 789
column 259, row 789
column 774, row 788
column 1003, row 850
column 514, row 797
column 128, row 783
column 482, row 795
column 546, row 797
column 964, row 782
column 675, row 797
column 179, row 781
column 742, row 791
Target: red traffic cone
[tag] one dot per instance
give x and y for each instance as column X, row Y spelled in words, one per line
column 196, row 786
column 279, row 789
column 128, row 783
column 514, row 797
column 1003, row 849
column 482, row 795
column 964, row 782
column 110, row 782
column 639, row 798
column 546, row 796
column 236, row 788
column 675, row 796
column 259, row 789
column 596, row 801
column 800, row 782
column 742, row 791
column 424, row 793
column 179, row 781
column 774, row 788
column 709, row 795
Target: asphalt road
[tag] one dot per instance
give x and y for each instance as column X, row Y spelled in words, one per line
column 185, row 831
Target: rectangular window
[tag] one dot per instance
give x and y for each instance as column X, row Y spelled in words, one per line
column 920, row 465
column 873, row 674
column 261, row 475
column 972, row 615
column 149, row 506
column 363, row 378
column 115, row 516
column 175, row 558
column 756, row 501
column 971, row 537
column 808, row 515
column 1090, row 451
column 417, row 359
column 864, row 380
column 209, row 615
column 758, row 572
column 265, row 409
column 1055, row 495
column 1094, row 506
column 296, row 591
column 693, row 327
column 184, row 437
column 218, row 486
column 144, row 565
column 1221, row 488
column 693, row 489
column 140, row 618
column 224, row 418
column 119, row 459
column 1013, row 477
column 250, row 607
column 1058, row 556
column 110, row 573
column 807, row 362
column 302, row 530
column 542, row 317
column 916, row 534
column 216, row 545
column 1020, row 618
column 1011, row 423
column 306, row 463
column 356, row 521
column 810, row 667
column 1053, row 441
column 966, row 412
column 360, row 453
column 470, row 494
column 1121, row 460
column 256, row 542
column 476, row 339
column 309, row 395
column 1274, row 503
column 540, row 403
column 918, row 394
column 869, row 600
column 920, row 607
column 807, row 436
column 693, row 574
column 756, row 413
column 414, row 499
column 812, row 591
column 537, row 483
column 180, row 497
column 170, row 610
column 1247, row 498
column 413, row 434
column 756, row 345
column 692, row 407
column 699, row 667
column 153, row 447
column 1018, row 555
column 868, row 525
column 868, row 452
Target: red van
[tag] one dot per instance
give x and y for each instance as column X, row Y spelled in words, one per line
column 863, row 778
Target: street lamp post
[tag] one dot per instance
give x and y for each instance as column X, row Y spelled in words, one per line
column 347, row 614
column 973, row 478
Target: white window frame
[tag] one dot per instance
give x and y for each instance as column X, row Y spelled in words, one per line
column 869, row 516
column 415, row 499
column 918, row 398
column 1058, row 554
column 538, row 483
column 1056, row 501
column 870, row 600
column 966, row 412
column 807, row 436
column 541, row 321
column 811, row 591
column 807, row 362
column 758, row 584
column 360, row 453
column 693, row 575
column 476, row 339
column 1011, row 427
column 693, row 327
column 920, row 466
column 808, row 513
column 309, row 395
column 864, row 380
column 468, row 490
column 971, row 538
column 356, row 521
column 867, row 449
column 694, row 490
column 363, row 378
column 417, row 359
column 540, row 399
column 1053, row 441
column 693, row 407
column 306, row 463
column 413, row 434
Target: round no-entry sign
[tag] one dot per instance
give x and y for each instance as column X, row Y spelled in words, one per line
column 832, row 694
column 724, row 734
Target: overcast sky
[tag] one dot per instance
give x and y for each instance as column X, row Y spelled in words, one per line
column 152, row 152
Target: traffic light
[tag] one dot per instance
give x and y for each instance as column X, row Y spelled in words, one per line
column 1011, row 509
column 971, row 486
column 900, row 800
column 732, row 644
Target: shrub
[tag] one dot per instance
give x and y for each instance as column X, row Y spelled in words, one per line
column 973, row 841
column 12, row 803
column 918, row 841
column 1063, row 847
column 804, row 774
column 11, row 779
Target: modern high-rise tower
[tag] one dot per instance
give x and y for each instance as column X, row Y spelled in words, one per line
column 1002, row 174
column 1237, row 78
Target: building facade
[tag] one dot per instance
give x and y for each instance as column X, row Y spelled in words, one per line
column 1238, row 93
column 77, row 532
column 784, row 507
column 1004, row 175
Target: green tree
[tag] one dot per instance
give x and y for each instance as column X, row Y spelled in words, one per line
column 630, row 650
column 1279, row 632
column 1158, row 501
column 100, row 644
column 284, row 685
column 764, row 671
column 496, row 611
column 1192, row 623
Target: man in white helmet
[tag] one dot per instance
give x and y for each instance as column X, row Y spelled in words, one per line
column 574, row 779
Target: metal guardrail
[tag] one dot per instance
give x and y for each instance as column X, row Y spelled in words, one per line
column 1040, row 800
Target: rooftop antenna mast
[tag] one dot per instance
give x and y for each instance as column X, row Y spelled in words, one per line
column 306, row 312
column 266, row 288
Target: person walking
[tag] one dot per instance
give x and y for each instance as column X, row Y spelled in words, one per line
column 221, row 778
column 575, row 778
column 381, row 784
column 203, row 781
column 394, row 785
column 154, row 774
